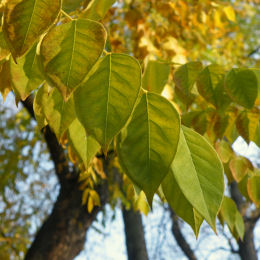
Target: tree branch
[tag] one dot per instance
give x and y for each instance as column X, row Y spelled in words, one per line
column 180, row 239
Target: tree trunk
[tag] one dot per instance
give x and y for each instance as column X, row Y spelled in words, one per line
column 134, row 233
column 63, row 234
column 247, row 249
column 180, row 239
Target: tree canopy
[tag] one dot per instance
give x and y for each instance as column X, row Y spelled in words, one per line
column 136, row 98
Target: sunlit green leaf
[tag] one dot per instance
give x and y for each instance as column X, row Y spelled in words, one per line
column 97, row 9
column 105, row 101
column 155, row 76
column 59, row 114
column 149, row 142
column 241, row 86
column 199, row 174
column 25, row 74
column 26, row 20
column 179, row 203
column 85, row 146
column 69, row 51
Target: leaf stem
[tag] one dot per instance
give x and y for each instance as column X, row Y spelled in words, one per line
column 65, row 14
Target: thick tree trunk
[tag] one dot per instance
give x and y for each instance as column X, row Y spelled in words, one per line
column 63, row 234
column 246, row 249
column 134, row 233
column 180, row 239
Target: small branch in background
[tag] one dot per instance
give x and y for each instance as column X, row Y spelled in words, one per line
column 180, row 239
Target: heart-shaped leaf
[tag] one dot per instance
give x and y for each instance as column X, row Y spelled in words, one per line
column 105, row 101
column 199, row 174
column 69, row 51
column 149, row 142
column 26, row 20
column 241, row 86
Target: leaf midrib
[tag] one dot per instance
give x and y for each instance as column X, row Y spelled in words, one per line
column 28, row 28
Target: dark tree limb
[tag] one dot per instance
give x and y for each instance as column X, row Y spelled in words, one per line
column 247, row 249
column 63, row 234
column 180, row 239
column 134, row 233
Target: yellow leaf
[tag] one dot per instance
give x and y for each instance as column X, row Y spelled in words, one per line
column 230, row 13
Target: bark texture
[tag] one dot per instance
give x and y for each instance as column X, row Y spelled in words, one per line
column 62, row 235
column 134, row 233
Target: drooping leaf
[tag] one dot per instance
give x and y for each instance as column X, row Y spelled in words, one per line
column 39, row 101
column 242, row 186
column 26, row 20
column 246, row 123
column 186, row 75
column 59, row 113
column 149, row 142
column 241, row 86
column 239, row 167
column 228, row 212
column 224, row 151
column 199, row 174
column 105, row 101
column 69, row 51
column 25, row 74
column 85, row 146
column 179, row 203
column 239, row 226
column 5, row 79
column 155, row 76
column 210, row 83
column 253, row 185
column 97, row 9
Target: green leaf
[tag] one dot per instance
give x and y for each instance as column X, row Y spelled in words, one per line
column 155, row 76
column 4, row 50
column 71, row 5
column 224, row 151
column 97, row 9
column 26, row 20
column 69, row 51
column 149, row 142
column 105, row 101
column 59, row 114
column 253, row 185
column 241, row 86
column 5, row 79
column 186, row 75
column 25, row 74
column 38, row 103
column 199, row 174
column 228, row 212
column 239, row 226
column 180, row 204
column 210, row 83
column 85, row 146
column 239, row 167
